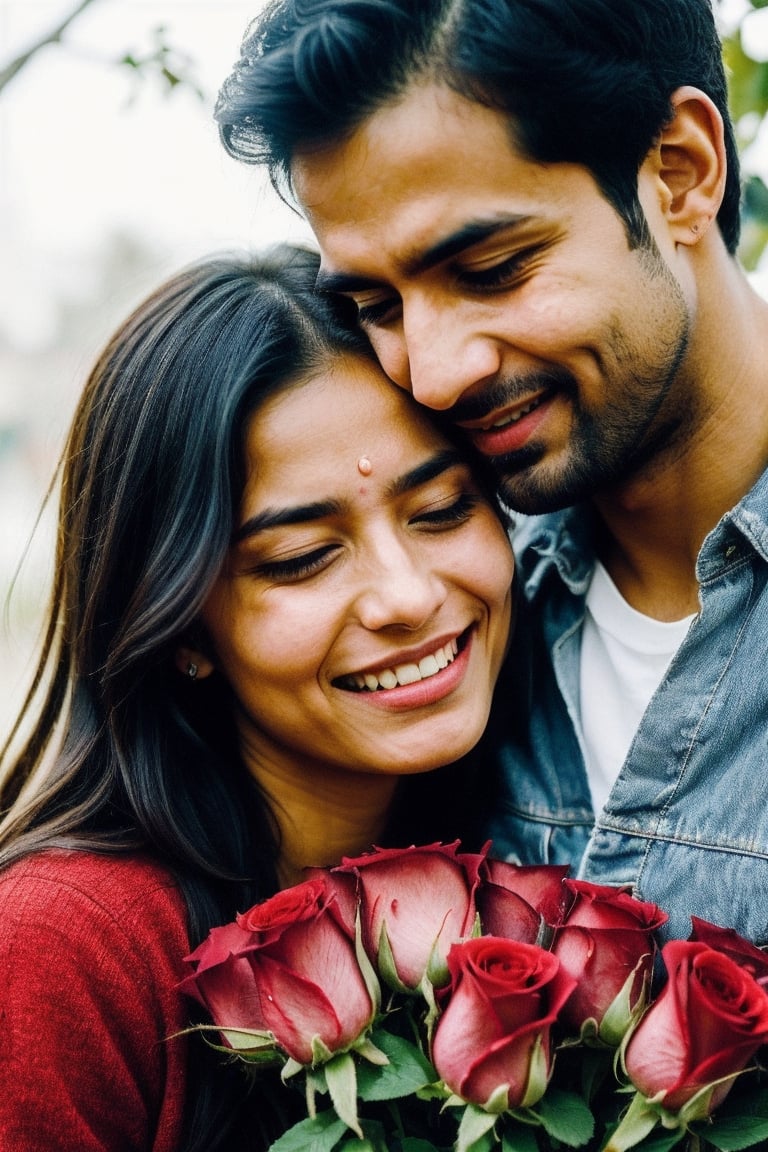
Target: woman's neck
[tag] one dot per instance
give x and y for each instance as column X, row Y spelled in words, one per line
column 322, row 816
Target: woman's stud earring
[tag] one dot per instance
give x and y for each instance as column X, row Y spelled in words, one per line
column 192, row 670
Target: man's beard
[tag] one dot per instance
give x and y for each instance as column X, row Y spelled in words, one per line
column 605, row 449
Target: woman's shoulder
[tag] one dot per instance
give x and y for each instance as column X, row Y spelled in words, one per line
column 91, row 954
column 75, row 892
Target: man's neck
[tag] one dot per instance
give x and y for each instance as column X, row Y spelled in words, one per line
column 655, row 524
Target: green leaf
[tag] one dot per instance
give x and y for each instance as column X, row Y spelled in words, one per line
column 320, row 1134
column 732, row 1133
column 566, row 1117
column 520, row 1139
column 341, row 1078
column 407, row 1071
column 414, row 1144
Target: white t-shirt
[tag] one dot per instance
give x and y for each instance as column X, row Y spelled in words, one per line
column 624, row 656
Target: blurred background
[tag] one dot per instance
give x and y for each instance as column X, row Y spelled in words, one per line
column 112, row 176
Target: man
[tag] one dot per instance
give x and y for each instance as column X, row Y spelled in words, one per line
column 533, row 206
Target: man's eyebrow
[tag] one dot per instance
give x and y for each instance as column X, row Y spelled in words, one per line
column 471, row 233
column 321, row 509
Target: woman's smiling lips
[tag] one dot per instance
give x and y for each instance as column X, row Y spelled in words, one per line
column 415, row 681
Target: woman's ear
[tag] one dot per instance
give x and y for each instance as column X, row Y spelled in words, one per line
column 691, row 165
column 191, row 662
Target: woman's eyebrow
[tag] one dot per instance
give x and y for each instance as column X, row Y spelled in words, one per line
column 321, row 509
column 435, row 466
column 279, row 517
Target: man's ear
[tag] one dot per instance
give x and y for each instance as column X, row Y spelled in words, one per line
column 691, row 165
column 192, row 662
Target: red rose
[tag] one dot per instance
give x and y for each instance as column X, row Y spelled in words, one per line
column 492, row 1042
column 707, row 1023
column 606, row 943
column 745, row 954
column 519, row 902
column 414, row 903
column 288, row 968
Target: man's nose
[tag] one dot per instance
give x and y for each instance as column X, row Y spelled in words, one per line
column 447, row 354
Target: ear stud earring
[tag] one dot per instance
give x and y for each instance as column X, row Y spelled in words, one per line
column 192, row 670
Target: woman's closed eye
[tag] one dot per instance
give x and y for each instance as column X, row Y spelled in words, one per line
column 449, row 515
column 296, row 568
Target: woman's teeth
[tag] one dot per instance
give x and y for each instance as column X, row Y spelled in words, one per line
column 401, row 674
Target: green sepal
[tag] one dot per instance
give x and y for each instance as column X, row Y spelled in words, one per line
column 386, row 964
column 370, row 979
column 638, row 1121
column 539, row 1072
column 341, row 1078
column 369, row 1051
column 475, row 1126
column 291, row 1068
column 321, row 1053
column 498, row 1101
column 620, row 1017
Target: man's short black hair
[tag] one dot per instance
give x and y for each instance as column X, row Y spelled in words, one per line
column 582, row 81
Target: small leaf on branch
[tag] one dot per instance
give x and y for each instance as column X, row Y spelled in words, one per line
column 566, row 1117
column 732, row 1133
column 407, row 1071
column 320, row 1134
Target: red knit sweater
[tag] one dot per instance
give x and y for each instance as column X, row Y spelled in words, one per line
column 90, row 953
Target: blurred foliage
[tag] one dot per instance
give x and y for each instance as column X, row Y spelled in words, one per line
column 163, row 60
column 748, row 88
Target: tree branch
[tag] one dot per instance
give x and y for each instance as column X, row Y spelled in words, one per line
column 54, row 37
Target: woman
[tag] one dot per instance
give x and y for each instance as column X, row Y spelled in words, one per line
column 281, row 595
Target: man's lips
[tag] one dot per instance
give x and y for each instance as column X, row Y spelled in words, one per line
column 508, row 430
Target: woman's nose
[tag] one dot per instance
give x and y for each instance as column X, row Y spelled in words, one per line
column 400, row 591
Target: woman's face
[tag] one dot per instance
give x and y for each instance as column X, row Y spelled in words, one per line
column 364, row 610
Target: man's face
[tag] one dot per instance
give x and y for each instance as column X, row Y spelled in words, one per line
column 505, row 292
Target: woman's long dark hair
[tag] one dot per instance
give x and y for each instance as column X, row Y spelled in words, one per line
column 124, row 753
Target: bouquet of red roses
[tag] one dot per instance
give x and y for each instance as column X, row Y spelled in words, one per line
column 428, row 999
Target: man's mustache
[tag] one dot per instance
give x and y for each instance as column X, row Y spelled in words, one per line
column 503, row 393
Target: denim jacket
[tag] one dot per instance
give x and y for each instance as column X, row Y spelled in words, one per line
column 686, row 823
